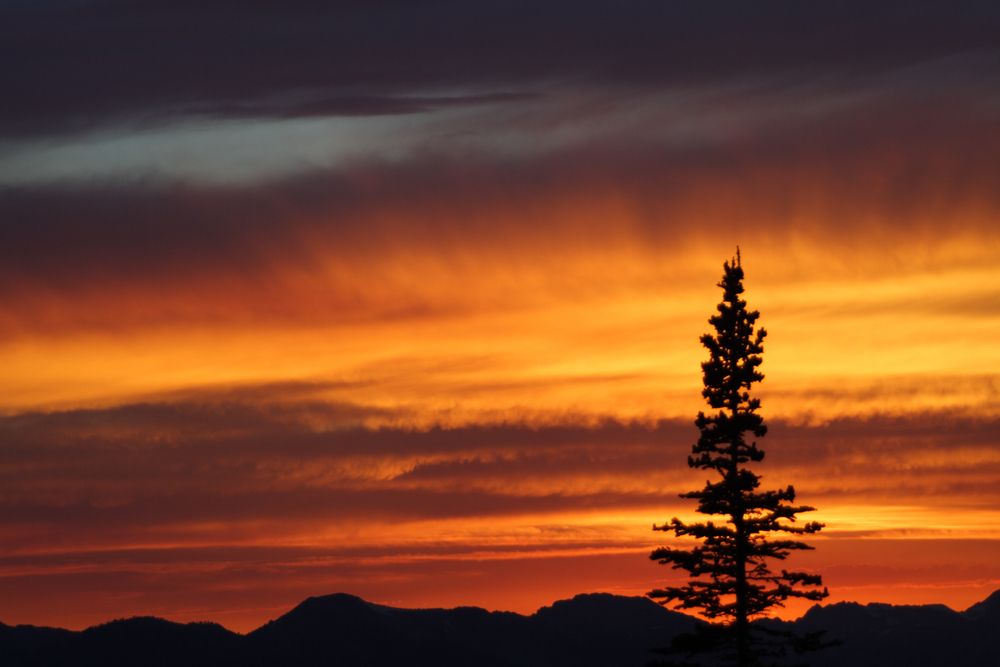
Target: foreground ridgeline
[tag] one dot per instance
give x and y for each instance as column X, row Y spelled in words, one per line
column 731, row 580
column 596, row 630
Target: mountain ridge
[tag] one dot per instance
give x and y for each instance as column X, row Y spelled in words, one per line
column 590, row 629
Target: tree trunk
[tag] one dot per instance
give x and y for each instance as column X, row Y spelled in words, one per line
column 742, row 623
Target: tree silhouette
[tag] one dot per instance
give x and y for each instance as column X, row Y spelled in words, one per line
column 730, row 579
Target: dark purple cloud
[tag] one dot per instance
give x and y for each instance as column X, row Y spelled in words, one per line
column 79, row 64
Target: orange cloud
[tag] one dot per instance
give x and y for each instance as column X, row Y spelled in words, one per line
column 483, row 371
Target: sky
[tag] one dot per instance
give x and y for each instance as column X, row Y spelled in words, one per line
column 403, row 299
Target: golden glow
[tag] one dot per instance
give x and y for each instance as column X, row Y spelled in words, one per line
column 607, row 331
column 556, row 315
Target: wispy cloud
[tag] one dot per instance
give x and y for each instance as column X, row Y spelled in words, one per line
column 380, row 297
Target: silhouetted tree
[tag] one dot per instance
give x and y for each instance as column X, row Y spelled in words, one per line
column 730, row 579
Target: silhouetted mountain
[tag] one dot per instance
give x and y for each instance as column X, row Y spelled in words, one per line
column 604, row 629
column 917, row 636
column 988, row 610
column 20, row 645
column 345, row 630
column 135, row 641
column 596, row 630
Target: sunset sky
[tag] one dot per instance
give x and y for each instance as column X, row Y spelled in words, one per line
column 403, row 299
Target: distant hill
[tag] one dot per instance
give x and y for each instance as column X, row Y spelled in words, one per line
column 594, row 630
column 917, row 636
column 136, row 641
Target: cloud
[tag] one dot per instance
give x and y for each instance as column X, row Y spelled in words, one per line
column 405, row 294
column 692, row 122
column 259, row 495
column 166, row 468
column 913, row 183
column 242, row 588
column 279, row 60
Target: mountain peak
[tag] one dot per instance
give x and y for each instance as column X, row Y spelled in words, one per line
column 332, row 601
column 987, row 608
column 589, row 604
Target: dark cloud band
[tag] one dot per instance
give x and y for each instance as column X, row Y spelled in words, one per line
column 286, row 61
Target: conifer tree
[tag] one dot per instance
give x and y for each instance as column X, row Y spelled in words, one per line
column 730, row 579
